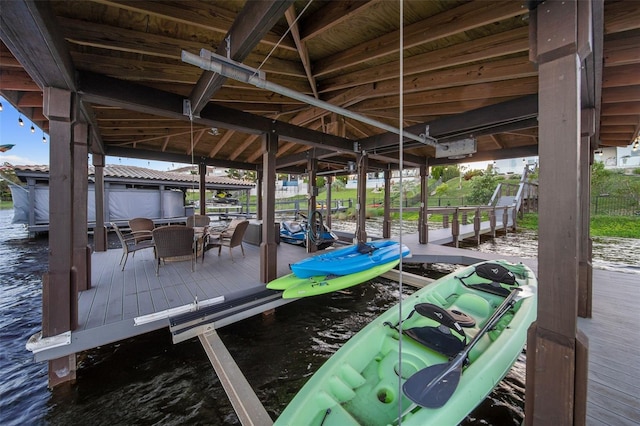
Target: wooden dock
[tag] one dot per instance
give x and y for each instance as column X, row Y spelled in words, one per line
column 107, row 310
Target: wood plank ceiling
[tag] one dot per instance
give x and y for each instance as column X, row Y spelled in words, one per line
column 464, row 62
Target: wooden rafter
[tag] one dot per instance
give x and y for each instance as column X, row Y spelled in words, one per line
column 223, row 140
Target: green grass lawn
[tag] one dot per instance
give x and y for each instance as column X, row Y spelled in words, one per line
column 601, row 226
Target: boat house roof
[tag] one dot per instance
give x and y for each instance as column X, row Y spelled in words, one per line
column 140, row 176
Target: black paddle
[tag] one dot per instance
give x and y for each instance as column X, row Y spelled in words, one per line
column 432, row 386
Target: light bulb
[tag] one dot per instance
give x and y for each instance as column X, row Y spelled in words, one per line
column 33, row 129
column 20, row 122
column 1, row 106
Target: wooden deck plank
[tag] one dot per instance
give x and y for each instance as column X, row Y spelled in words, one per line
column 115, row 302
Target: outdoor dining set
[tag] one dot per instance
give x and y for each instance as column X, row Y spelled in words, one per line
column 179, row 242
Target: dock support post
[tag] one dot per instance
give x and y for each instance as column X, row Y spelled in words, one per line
column 59, row 300
column 361, row 205
column 100, row 231
column 455, row 227
column 248, row 407
column 561, row 38
column 312, row 191
column 423, row 223
column 268, row 246
column 585, row 269
column 327, row 216
column 476, row 224
column 492, row 222
column 386, row 224
column 505, row 219
column 202, row 187
column 259, row 189
column 81, row 249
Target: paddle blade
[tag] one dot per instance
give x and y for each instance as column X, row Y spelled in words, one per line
column 432, row 387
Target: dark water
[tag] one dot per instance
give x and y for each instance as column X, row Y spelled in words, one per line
column 150, row 381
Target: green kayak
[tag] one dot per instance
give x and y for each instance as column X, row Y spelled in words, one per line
column 460, row 336
column 295, row 287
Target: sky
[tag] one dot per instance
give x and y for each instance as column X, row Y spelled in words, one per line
column 29, row 148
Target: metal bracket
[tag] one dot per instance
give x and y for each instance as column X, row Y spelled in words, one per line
column 227, row 40
column 457, row 149
column 428, row 140
column 186, row 109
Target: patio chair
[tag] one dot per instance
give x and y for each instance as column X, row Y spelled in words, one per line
column 199, row 220
column 174, row 241
column 234, row 240
column 130, row 244
column 228, row 230
column 142, row 227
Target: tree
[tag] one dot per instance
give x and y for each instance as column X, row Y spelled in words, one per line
column 249, row 175
column 445, row 172
column 442, row 190
column 482, row 188
column 338, row 184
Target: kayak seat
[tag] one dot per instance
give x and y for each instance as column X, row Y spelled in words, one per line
column 502, row 279
column 447, row 338
column 365, row 248
column 436, row 339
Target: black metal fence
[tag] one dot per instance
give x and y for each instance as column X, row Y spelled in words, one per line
column 615, row 205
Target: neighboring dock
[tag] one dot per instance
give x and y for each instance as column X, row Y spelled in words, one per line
column 108, row 309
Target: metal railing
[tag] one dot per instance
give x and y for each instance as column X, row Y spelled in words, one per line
column 615, row 205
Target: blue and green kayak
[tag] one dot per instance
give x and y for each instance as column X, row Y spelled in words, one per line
column 460, row 336
column 351, row 259
column 295, row 287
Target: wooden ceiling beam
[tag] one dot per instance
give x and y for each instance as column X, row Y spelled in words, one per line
column 222, row 142
column 463, row 18
column 629, row 93
column 145, row 154
column 445, row 108
column 517, row 113
column 196, row 140
column 332, row 14
column 30, row 100
column 108, row 91
column 207, row 16
column 622, row 49
column 253, row 22
column 145, row 124
column 119, row 39
column 18, row 80
column 621, row 76
column 487, row 72
column 290, row 15
column 620, row 17
column 483, row 49
column 625, row 108
column 243, row 146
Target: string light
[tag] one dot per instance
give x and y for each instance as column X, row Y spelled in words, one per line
column 33, row 129
column 20, row 122
column 1, row 106
column 44, row 140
